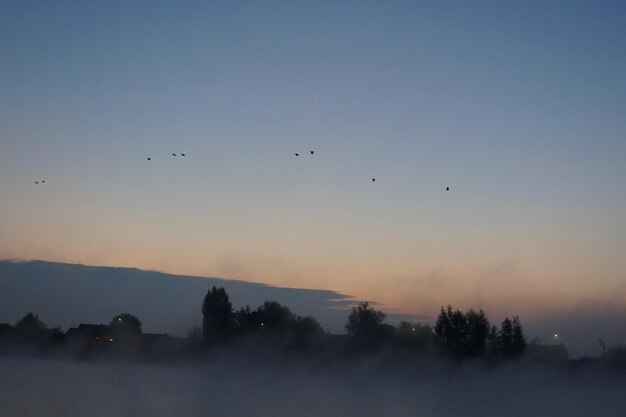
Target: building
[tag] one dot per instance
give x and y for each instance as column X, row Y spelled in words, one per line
column 89, row 333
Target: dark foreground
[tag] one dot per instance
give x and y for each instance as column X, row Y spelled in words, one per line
column 248, row 385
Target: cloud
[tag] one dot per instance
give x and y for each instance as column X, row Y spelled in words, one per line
column 66, row 294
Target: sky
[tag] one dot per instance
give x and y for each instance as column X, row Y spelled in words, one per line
column 519, row 108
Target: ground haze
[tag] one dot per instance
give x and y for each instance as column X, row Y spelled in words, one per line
column 225, row 385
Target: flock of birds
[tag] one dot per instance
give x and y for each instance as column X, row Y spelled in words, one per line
column 297, row 154
column 149, row 158
column 173, row 154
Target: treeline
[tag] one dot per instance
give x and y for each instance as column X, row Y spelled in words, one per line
column 455, row 333
column 31, row 330
column 470, row 334
column 268, row 323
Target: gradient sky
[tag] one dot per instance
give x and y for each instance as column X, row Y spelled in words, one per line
column 519, row 107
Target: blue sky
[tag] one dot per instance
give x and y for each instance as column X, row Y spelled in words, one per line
column 519, row 108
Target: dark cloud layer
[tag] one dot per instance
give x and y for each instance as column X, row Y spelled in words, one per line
column 66, row 294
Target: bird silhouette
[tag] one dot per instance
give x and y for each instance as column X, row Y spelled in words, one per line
column 447, row 188
column 149, row 159
column 296, row 154
column 312, row 152
column 36, row 182
column 43, row 181
column 182, row 154
column 173, row 154
column 373, row 179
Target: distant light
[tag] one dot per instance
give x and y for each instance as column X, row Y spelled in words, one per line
column 413, row 329
column 262, row 324
column 556, row 335
column 119, row 319
column 110, row 340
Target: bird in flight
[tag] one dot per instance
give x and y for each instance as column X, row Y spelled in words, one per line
column 36, row 182
column 296, row 154
column 312, row 152
column 373, row 179
column 149, row 159
column 447, row 188
column 182, row 154
column 173, row 154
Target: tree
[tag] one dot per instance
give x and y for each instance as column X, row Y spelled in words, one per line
column 506, row 337
column 462, row 334
column 30, row 327
column 244, row 320
column 274, row 316
column 493, row 341
column 216, row 315
column 477, row 332
column 125, row 326
column 366, row 325
column 451, row 331
column 305, row 331
column 518, row 344
column 274, row 323
column 443, row 327
column 414, row 335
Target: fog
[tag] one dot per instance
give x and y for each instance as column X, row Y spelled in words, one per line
column 258, row 385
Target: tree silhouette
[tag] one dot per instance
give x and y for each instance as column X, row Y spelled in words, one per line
column 274, row 316
column 414, row 335
column 216, row 315
column 506, row 337
column 458, row 335
column 274, row 323
column 518, row 344
column 512, row 340
column 477, row 332
column 443, row 327
column 30, row 327
column 366, row 326
column 125, row 327
column 451, row 331
column 245, row 321
column 306, row 331
column 466, row 334
column 493, row 341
